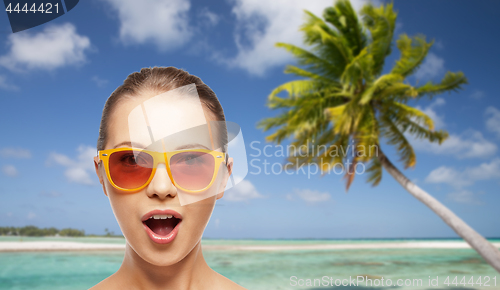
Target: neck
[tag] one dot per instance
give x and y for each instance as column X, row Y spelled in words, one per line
column 192, row 272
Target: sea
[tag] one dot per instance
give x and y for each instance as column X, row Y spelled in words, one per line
column 456, row 269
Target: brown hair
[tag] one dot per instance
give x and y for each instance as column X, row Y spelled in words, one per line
column 159, row 80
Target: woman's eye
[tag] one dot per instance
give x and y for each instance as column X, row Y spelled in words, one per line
column 128, row 159
column 191, row 159
column 133, row 160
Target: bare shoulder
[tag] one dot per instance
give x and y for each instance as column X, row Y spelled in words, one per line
column 109, row 283
column 225, row 283
column 104, row 284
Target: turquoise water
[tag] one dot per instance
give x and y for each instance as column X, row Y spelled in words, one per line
column 256, row 269
column 64, row 239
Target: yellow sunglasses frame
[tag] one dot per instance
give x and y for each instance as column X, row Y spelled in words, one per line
column 160, row 157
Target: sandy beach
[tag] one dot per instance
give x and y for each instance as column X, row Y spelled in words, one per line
column 389, row 245
column 57, row 246
column 19, row 246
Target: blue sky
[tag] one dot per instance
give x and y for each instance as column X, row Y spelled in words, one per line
column 55, row 78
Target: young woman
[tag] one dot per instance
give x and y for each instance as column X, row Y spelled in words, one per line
column 163, row 232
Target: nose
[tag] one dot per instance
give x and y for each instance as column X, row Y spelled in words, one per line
column 161, row 185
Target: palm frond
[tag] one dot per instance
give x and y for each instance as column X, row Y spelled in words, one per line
column 294, row 89
column 379, row 85
column 342, row 120
column 413, row 52
column 345, row 19
column 272, row 122
column 310, row 29
column 380, row 22
column 312, row 61
column 396, row 91
column 326, row 42
column 419, row 132
column 358, row 69
column 374, row 172
column 450, row 82
column 407, row 112
column 396, row 137
column 333, row 154
column 291, row 69
column 367, row 136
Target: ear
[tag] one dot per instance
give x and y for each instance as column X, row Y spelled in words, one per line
column 96, row 165
column 223, row 184
column 99, row 174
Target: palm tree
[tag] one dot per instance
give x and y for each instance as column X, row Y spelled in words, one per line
column 344, row 101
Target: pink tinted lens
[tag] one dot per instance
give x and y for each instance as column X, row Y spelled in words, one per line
column 130, row 169
column 192, row 170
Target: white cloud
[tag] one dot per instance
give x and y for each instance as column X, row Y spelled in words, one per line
column 309, row 196
column 99, row 82
column 31, row 215
column 439, row 44
column 10, row 170
column 15, row 153
column 208, row 17
column 77, row 170
column 445, row 174
column 262, row 23
column 56, row 46
column 493, row 121
column 467, row 177
column 470, row 144
column 430, row 111
column 242, row 191
column 477, row 94
column 78, row 175
column 432, row 66
column 164, row 23
column 6, row 85
column 464, row 196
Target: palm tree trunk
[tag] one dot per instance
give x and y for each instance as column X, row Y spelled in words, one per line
column 489, row 252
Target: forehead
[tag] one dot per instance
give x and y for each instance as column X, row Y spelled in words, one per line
column 157, row 122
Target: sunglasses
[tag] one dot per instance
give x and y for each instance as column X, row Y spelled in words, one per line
column 191, row 170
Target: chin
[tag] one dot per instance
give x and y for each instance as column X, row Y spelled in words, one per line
column 160, row 254
column 163, row 257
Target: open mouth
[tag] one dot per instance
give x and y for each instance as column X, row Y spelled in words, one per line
column 162, row 225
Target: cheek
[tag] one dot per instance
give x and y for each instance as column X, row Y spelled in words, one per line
column 205, row 198
column 199, row 214
column 217, row 186
column 201, row 211
column 124, row 207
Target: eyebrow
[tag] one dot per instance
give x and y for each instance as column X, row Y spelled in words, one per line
column 130, row 144
column 138, row 145
column 193, row 145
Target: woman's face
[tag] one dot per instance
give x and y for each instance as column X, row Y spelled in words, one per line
column 131, row 208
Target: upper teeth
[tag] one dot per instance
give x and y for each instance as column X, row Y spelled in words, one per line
column 161, row 216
